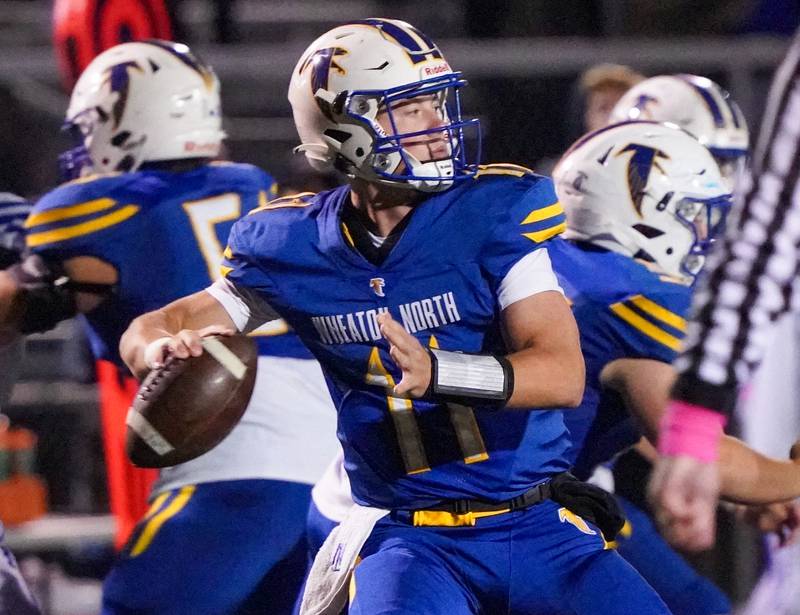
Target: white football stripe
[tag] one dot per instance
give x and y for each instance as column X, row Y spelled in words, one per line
column 225, row 357
column 148, row 433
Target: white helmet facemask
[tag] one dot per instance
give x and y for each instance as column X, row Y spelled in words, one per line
column 647, row 190
column 142, row 102
column 349, row 93
column 700, row 107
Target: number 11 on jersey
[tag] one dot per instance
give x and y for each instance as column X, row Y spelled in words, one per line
column 412, row 449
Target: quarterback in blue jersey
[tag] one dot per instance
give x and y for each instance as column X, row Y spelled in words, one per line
column 643, row 202
column 148, row 227
column 425, row 290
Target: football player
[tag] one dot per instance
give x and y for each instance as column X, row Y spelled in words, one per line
column 644, row 202
column 425, row 290
column 15, row 596
column 630, row 312
column 144, row 228
column 705, row 110
column 699, row 106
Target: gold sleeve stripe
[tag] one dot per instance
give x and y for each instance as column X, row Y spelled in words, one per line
column 279, row 205
column 646, row 327
column 84, row 228
column 74, row 211
column 540, row 236
column 662, row 314
column 537, row 215
column 224, row 271
column 228, row 253
column 347, row 235
column 153, row 525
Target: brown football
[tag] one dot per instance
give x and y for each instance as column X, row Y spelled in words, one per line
column 188, row 406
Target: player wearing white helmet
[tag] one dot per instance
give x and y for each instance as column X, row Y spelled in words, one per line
column 401, row 283
column 143, row 225
column 662, row 202
column 644, row 202
column 699, row 106
column 114, row 119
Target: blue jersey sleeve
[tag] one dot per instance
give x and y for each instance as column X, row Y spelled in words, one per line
column 526, row 213
column 245, row 257
column 650, row 325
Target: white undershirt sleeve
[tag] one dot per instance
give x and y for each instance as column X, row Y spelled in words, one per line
column 245, row 307
column 530, row 275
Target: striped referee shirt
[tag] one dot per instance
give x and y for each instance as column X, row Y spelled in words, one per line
column 749, row 278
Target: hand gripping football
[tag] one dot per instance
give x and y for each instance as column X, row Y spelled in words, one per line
column 188, row 406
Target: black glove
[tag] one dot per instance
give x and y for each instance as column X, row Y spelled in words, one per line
column 590, row 502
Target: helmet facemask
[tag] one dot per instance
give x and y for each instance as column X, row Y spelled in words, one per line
column 704, row 221
column 388, row 160
column 441, row 150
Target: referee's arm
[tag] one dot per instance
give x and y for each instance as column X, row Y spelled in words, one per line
column 749, row 279
column 747, row 285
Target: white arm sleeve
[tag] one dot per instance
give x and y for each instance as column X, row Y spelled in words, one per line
column 245, row 307
column 530, row 275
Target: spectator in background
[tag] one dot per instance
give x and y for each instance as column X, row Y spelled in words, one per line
column 596, row 91
column 601, row 86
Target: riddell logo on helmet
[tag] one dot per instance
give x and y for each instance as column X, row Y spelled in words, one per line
column 191, row 146
column 432, row 71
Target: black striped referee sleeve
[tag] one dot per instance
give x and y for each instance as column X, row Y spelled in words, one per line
column 748, row 280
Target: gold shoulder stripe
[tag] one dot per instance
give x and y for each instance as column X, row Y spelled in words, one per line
column 646, row 327
column 537, row 215
column 503, row 168
column 84, row 228
column 154, row 524
column 73, row 211
column 228, row 253
column 662, row 314
column 224, row 271
column 540, row 236
column 294, row 200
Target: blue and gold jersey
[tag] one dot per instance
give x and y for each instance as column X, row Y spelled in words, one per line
column 440, row 281
column 163, row 232
column 623, row 310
